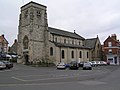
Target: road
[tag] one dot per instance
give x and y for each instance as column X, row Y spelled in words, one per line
column 23, row 77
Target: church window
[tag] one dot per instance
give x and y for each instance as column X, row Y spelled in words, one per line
column 64, row 40
column 56, row 39
column 25, row 42
column 72, row 41
column 87, row 55
column 80, row 54
column 63, row 54
column 51, row 51
column 79, row 43
column 72, row 54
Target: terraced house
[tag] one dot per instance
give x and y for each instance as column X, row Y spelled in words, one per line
column 3, row 44
column 38, row 42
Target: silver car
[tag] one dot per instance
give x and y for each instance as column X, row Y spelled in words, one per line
column 87, row 66
column 2, row 65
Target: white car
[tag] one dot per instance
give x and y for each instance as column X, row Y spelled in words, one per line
column 93, row 63
column 2, row 65
column 61, row 65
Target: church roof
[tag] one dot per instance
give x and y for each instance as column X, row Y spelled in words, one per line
column 70, row 45
column 90, row 42
column 65, row 33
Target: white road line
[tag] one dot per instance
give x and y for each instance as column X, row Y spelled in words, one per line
column 18, row 79
column 33, row 84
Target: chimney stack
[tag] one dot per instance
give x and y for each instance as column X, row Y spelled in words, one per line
column 114, row 36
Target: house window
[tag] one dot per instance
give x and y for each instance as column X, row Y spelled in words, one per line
column 110, row 51
column 87, row 55
column 72, row 54
column 63, row 54
column 109, row 44
column 51, row 51
column 80, row 54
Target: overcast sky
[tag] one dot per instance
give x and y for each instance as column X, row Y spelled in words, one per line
column 88, row 18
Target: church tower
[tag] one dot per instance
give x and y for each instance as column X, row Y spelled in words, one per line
column 32, row 33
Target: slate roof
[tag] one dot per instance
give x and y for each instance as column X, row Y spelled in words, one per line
column 64, row 33
column 3, row 39
column 90, row 42
column 70, row 45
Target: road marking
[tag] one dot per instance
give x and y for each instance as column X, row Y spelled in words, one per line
column 37, row 84
column 92, row 82
column 18, row 79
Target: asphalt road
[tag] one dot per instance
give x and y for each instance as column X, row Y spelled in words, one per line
column 23, row 77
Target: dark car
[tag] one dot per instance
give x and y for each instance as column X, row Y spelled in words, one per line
column 73, row 65
column 8, row 64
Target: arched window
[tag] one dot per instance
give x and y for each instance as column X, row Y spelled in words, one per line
column 63, row 54
column 25, row 42
column 51, row 51
column 72, row 54
column 80, row 54
column 87, row 54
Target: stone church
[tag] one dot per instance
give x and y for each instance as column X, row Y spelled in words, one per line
column 38, row 42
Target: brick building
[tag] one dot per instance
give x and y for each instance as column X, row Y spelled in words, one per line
column 111, row 49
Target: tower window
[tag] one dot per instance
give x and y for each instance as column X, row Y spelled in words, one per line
column 39, row 14
column 25, row 42
column 26, row 14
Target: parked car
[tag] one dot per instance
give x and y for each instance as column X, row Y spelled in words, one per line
column 73, row 65
column 2, row 65
column 81, row 64
column 8, row 64
column 93, row 63
column 103, row 63
column 61, row 65
column 87, row 66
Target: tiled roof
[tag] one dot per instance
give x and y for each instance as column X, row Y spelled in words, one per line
column 90, row 42
column 64, row 33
